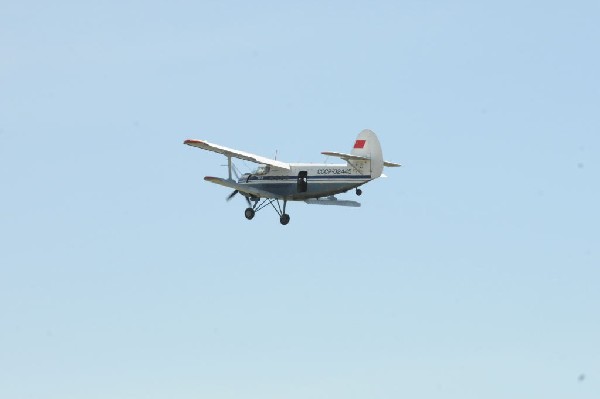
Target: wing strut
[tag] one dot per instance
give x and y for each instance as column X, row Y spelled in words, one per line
column 229, row 166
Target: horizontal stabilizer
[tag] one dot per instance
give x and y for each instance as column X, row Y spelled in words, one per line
column 391, row 164
column 242, row 188
column 350, row 157
column 229, row 152
column 333, row 201
column 345, row 157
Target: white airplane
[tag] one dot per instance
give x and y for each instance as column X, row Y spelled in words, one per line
column 274, row 181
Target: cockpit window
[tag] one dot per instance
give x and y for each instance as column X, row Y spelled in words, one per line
column 262, row 170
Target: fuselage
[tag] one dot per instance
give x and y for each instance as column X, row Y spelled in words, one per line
column 305, row 181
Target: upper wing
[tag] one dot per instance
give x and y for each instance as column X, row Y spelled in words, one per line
column 228, row 152
column 352, row 157
column 242, row 188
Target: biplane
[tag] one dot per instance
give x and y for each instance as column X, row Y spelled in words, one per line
column 276, row 183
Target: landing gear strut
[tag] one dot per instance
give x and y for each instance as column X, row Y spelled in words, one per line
column 284, row 218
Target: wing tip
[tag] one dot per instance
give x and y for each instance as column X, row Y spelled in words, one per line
column 193, row 141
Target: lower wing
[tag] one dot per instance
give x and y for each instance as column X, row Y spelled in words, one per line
column 243, row 188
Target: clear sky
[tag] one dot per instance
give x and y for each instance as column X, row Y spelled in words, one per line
column 471, row 272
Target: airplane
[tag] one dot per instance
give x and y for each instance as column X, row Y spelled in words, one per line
column 274, row 181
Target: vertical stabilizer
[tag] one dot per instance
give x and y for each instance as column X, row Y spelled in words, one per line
column 367, row 145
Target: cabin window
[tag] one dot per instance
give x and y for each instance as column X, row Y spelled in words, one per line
column 302, row 181
column 262, row 170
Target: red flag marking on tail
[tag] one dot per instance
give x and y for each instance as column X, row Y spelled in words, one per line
column 360, row 144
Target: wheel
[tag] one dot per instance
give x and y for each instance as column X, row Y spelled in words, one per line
column 358, row 192
column 249, row 213
column 284, row 219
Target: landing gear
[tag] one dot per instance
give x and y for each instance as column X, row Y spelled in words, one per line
column 358, row 192
column 259, row 204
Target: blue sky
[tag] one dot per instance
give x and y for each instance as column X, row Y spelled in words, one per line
column 470, row 272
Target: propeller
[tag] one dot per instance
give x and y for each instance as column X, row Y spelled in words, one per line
column 230, row 196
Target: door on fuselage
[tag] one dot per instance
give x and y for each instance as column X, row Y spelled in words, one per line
column 302, row 185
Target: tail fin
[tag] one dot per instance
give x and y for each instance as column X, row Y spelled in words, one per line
column 367, row 145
